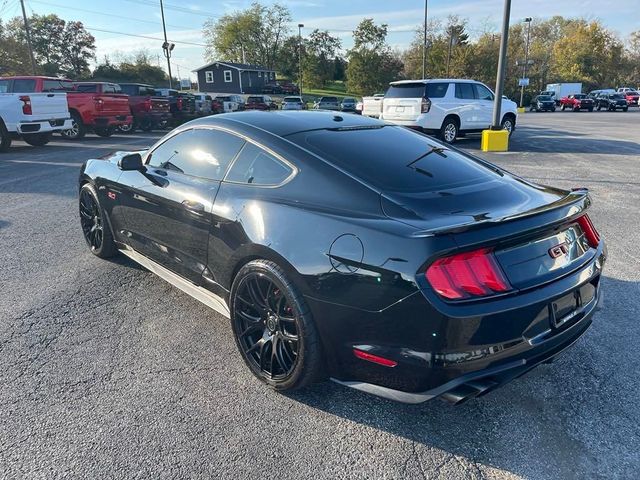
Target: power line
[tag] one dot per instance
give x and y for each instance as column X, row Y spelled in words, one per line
column 174, row 7
column 107, row 14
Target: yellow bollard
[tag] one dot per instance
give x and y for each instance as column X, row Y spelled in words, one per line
column 495, row 141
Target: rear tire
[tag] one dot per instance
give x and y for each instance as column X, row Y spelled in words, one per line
column 37, row 139
column 449, row 130
column 5, row 138
column 104, row 131
column 128, row 127
column 77, row 130
column 624, row 109
column 273, row 327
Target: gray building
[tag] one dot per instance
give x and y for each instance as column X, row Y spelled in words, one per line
column 228, row 77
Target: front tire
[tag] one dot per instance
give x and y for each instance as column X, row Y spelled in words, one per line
column 5, row 138
column 508, row 124
column 273, row 327
column 105, row 132
column 37, row 139
column 95, row 226
column 449, row 130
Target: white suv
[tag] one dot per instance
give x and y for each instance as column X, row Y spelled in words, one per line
column 446, row 107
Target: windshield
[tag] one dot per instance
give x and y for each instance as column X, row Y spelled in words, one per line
column 616, row 96
column 417, row 90
column 393, row 158
column 544, row 98
column 329, row 99
column 292, row 100
column 579, row 96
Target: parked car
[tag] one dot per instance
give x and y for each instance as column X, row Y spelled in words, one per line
column 611, row 101
column 30, row 116
column 348, row 104
column 446, row 107
column 372, row 105
column 426, row 272
column 272, row 87
column 217, row 106
column 595, row 93
column 227, row 102
column 632, row 97
column 260, row 102
column 94, row 106
column 327, row 103
column 293, row 103
column 203, row 103
column 289, row 88
column 149, row 110
column 542, row 103
column 182, row 105
column 577, row 102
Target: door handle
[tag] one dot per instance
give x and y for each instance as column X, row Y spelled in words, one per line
column 195, row 207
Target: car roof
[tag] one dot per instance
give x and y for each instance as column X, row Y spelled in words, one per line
column 286, row 122
column 434, row 80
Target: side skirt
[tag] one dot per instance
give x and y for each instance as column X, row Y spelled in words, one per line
column 201, row 294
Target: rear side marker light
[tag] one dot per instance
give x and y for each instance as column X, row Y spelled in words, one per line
column 590, row 232
column 467, row 275
column 369, row 357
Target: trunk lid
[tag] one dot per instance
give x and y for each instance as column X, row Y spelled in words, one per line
column 401, row 108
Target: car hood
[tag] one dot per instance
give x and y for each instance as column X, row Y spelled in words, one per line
column 496, row 200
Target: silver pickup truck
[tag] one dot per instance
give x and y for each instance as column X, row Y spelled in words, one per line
column 32, row 117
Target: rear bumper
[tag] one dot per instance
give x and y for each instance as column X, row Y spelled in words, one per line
column 41, row 126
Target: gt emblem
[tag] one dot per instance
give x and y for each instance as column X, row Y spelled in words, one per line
column 558, row 250
column 111, row 195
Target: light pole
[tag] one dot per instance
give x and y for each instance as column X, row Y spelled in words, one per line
column 166, row 46
column 424, row 42
column 300, row 26
column 526, row 61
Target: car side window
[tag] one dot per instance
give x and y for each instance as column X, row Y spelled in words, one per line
column 255, row 166
column 482, row 92
column 465, row 91
column 199, row 152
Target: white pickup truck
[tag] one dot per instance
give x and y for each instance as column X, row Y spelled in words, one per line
column 32, row 117
column 372, row 106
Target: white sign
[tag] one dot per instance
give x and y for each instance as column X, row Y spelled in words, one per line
column 523, row 82
column 185, row 83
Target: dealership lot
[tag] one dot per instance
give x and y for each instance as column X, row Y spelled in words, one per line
column 109, row 372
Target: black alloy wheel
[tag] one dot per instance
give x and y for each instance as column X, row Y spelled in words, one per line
column 96, row 232
column 273, row 327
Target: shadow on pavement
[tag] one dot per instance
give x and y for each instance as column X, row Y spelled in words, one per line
column 531, row 426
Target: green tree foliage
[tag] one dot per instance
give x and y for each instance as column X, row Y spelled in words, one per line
column 255, row 35
column 60, row 48
column 14, row 55
column 372, row 64
column 319, row 59
column 135, row 68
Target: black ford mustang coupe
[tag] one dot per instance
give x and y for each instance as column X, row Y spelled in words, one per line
column 341, row 247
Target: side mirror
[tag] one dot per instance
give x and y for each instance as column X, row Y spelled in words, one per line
column 132, row 161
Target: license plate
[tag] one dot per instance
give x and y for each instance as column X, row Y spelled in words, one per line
column 399, row 109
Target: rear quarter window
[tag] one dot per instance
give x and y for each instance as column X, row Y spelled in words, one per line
column 381, row 156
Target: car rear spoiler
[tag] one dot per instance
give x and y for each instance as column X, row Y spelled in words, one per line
column 575, row 202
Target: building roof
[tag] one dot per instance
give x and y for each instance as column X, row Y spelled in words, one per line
column 237, row 66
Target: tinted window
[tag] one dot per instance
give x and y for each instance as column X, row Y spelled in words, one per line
column 24, row 86
column 111, row 88
column 437, row 90
column 258, row 167
column 380, row 156
column 51, row 85
column 4, row 86
column 199, row 152
column 87, row 88
column 616, row 96
column 292, row 100
column 129, row 89
column 465, row 91
column 406, row 90
column 482, row 92
column 579, row 96
column 254, row 100
column 544, row 98
column 329, row 99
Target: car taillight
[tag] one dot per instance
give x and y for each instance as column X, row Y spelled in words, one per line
column 590, row 232
column 99, row 103
column 179, row 104
column 426, row 105
column 146, row 106
column 26, row 105
column 467, row 275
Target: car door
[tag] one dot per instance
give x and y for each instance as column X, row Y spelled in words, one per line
column 485, row 98
column 167, row 208
column 467, row 106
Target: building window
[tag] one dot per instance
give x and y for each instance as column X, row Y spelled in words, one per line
column 227, row 76
column 208, row 77
column 259, row 74
column 273, row 75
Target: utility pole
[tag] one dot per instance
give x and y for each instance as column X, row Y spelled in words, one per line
column 424, row 42
column 166, row 46
column 450, row 47
column 28, row 35
column 502, row 64
column 300, row 25
column 526, row 61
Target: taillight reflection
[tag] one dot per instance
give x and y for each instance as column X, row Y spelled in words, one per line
column 467, row 275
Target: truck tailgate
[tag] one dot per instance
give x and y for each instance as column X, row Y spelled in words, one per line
column 48, row 106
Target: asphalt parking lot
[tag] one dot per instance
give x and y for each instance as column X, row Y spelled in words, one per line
column 109, row 372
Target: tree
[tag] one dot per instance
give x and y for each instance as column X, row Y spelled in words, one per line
column 132, row 68
column 255, row 35
column 372, row 64
column 14, row 55
column 59, row 47
column 319, row 58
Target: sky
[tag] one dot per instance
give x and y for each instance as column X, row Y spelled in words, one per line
column 114, row 22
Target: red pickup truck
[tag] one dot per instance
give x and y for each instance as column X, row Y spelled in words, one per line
column 96, row 106
column 577, row 102
column 148, row 109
